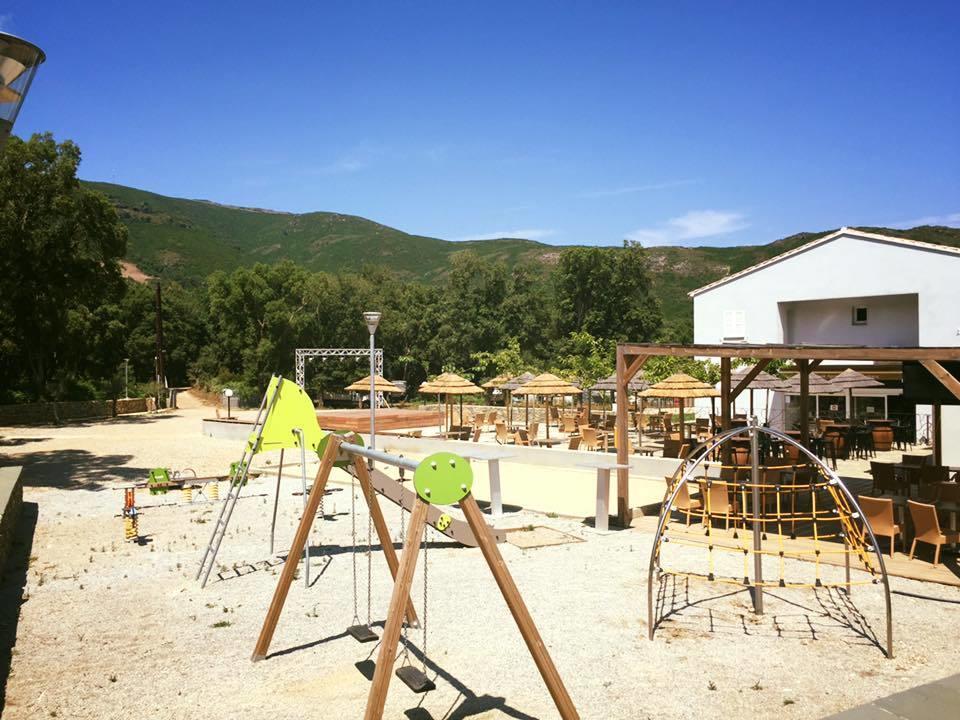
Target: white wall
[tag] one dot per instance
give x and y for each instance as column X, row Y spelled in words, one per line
column 891, row 320
column 847, row 267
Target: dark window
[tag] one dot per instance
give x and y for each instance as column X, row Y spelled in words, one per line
column 859, row 316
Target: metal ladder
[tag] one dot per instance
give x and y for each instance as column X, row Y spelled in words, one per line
column 233, row 493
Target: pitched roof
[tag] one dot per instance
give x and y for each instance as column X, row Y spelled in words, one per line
column 844, row 231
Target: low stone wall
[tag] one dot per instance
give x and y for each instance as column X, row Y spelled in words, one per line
column 50, row 412
column 11, row 501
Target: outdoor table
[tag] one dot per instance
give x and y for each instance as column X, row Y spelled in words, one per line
column 549, row 442
column 493, row 458
column 648, row 450
column 602, row 521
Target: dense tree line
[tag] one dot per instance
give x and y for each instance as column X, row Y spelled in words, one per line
column 68, row 319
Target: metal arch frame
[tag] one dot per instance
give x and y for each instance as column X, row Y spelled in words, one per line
column 708, row 446
column 301, row 354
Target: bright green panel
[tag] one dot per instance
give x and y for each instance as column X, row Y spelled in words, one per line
column 443, row 478
column 291, row 409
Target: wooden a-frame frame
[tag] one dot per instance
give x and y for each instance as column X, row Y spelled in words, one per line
column 327, row 461
column 403, row 579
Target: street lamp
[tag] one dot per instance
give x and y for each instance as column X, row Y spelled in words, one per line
column 19, row 61
column 372, row 319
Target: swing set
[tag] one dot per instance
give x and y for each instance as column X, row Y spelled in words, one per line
column 441, row 479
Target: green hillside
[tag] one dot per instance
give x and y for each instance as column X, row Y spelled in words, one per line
column 186, row 240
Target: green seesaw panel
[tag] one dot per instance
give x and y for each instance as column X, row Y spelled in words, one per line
column 443, row 479
column 291, row 409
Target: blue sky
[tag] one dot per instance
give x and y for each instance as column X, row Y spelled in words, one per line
column 569, row 122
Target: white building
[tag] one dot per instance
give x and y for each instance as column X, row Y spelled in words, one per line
column 848, row 288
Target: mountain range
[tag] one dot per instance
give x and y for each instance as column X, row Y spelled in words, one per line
column 186, row 240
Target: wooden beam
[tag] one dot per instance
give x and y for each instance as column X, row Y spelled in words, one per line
column 625, row 371
column 749, row 378
column 804, row 368
column 814, row 364
column 937, row 435
column 383, row 532
column 943, row 375
column 725, row 394
column 296, row 547
column 391, row 630
column 531, row 636
column 793, row 352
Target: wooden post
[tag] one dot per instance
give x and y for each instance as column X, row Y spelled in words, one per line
column 383, row 532
column 804, row 366
column 296, row 547
column 623, row 447
column 937, row 435
column 391, row 631
column 518, row 609
column 725, row 400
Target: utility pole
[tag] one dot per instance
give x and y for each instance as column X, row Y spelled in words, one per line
column 161, row 374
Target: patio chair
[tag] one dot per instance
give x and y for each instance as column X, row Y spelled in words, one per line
column 926, row 529
column 520, row 437
column 590, row 441
column 574, row 442
column 569, row 424
column 667, row 425
column 929, row 480
column 675, row 448
column 717, row 501
column 492, row 418
column 533, row 430
column 879, row 513
column 683, row 502
column 503, row 437
column 916, row 460
column 476, row 434
column 884, row 478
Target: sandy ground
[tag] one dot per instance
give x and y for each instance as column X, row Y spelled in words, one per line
column 117, row 630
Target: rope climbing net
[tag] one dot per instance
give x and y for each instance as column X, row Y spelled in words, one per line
column 764, row 516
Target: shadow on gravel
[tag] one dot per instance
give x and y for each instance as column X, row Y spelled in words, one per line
column 74, row 469
column 12, row 583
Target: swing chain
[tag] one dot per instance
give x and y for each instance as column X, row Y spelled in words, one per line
column 353, row 536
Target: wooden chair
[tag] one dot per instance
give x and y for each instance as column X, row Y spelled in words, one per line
column 532, row 431
column 884, row 478
column 590, row 441
column 520, row 437
column 926, row 529
column 683, row 501
column 717, row 501
column 569, row 424
column 476, row 434
column 879, row 513
column 503, row 437
column 492, row 417
column 574, row 442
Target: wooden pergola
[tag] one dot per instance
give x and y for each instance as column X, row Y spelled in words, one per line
column 632, row 356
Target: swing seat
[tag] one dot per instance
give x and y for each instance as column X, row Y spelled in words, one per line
column 363, row 633
column 414, row 679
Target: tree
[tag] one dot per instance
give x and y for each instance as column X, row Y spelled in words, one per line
column 507, row 360
column 586, row 358
column 606, row 293
column 59, row 250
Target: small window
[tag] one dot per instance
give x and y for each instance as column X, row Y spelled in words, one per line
column 734, row 326
column 859, row 316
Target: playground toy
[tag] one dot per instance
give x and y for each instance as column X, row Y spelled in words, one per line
column 442, row 477
column 131, row 524
column 766, row 501
column 287, row 419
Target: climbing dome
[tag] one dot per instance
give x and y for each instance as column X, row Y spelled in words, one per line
column 746, row 503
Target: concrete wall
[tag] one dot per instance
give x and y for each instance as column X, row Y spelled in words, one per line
column 38, row 413
column 11, row 501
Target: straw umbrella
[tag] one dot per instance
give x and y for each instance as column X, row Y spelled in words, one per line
column 380, row 385
column 547, row 385
column 449, row 384
column 850, row 379
column 680, row 386
column 509, row 386
column 609, row 384
column 817, row 385
column 763, row 381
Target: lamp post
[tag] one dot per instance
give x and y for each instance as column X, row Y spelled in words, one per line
column 19, row 61
column 372, row 319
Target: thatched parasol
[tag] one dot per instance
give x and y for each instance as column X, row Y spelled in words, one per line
column 380, row 384
column 682, row 387
column 850, row 379
column 509, row 386
column 495, row 383
column 449, row 384
column 636, row 384
column 818, row 385
column 547, row 385
column 763, row 381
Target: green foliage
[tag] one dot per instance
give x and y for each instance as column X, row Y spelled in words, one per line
column 582, row 356
column 506, row 361
column 658, row 368
column 59, row 249
column 606, row 293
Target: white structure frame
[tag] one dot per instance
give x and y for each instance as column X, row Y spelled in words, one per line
column 301, row 354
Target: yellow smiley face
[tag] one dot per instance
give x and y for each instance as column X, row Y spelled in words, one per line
column 443, row 522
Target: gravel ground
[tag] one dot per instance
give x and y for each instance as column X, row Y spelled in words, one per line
column 117, row 630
